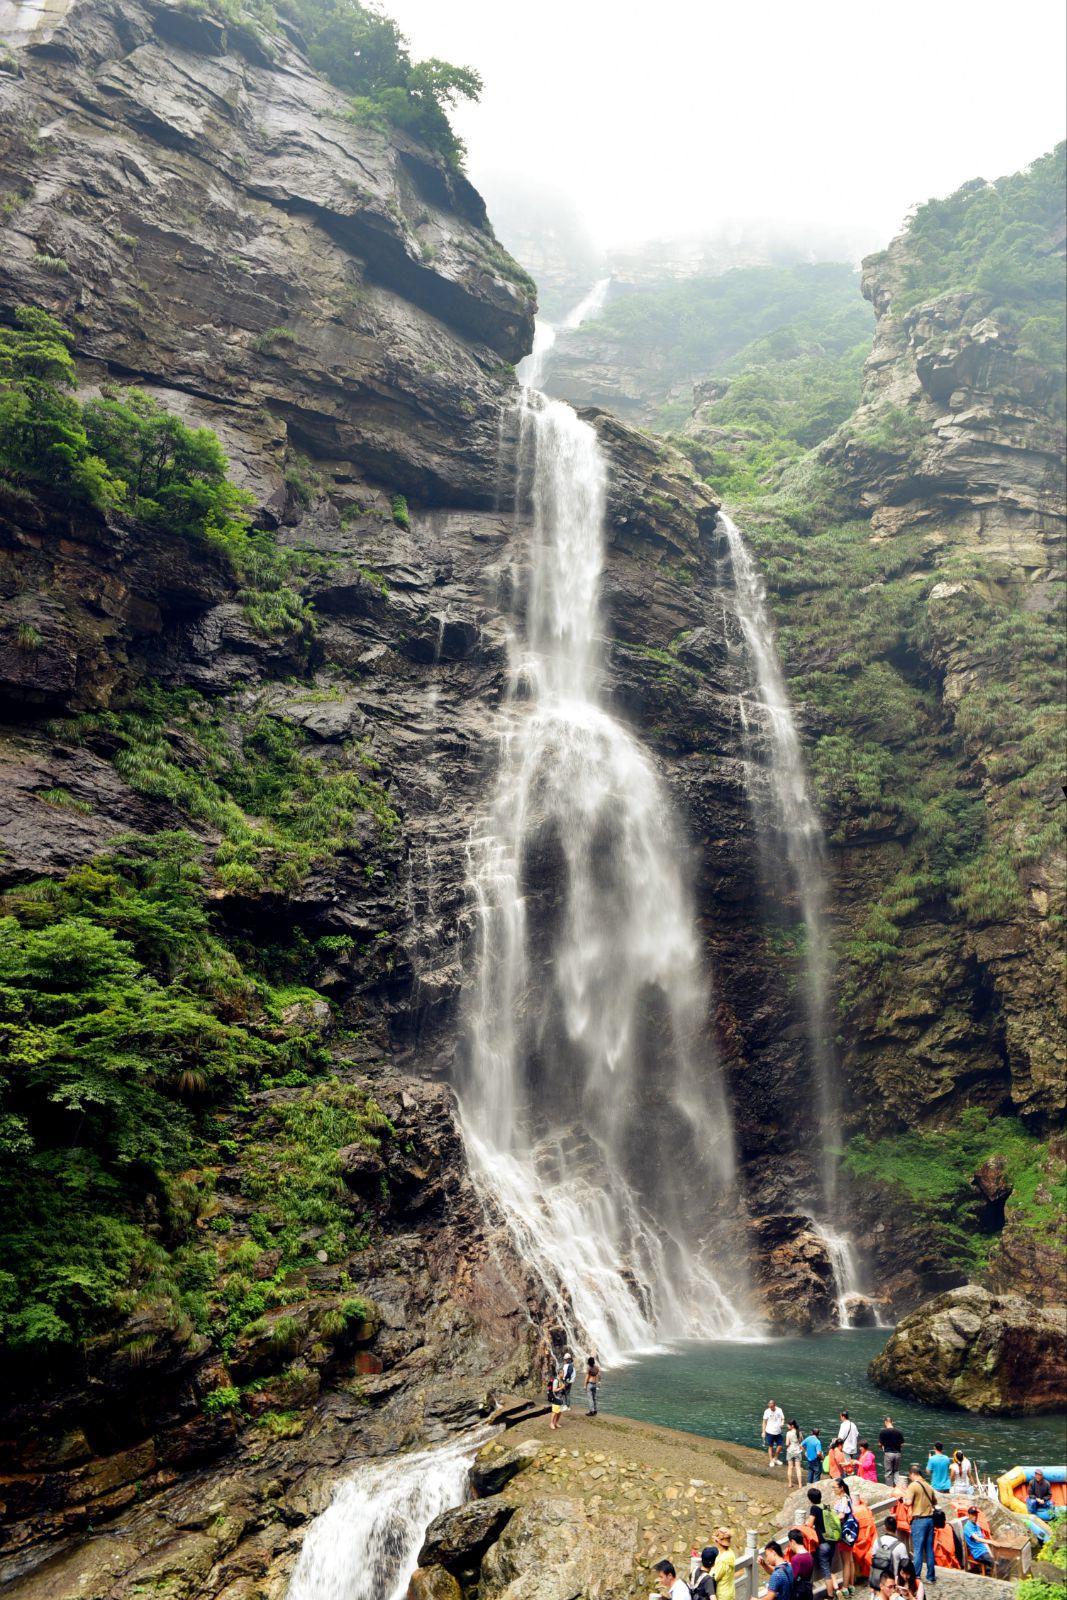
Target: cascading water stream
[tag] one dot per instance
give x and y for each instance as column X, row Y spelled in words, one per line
column 593, row 1107
column 366, row 1544
column 787, row 820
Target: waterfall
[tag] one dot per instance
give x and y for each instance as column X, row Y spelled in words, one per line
column 591, row 306
column 366, row 1544
column 594, row 1110
column 533, row 367
column 789, row 825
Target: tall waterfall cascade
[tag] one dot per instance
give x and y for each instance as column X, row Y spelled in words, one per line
column 366, row 1544
column 790, row 831
column 593, row 1107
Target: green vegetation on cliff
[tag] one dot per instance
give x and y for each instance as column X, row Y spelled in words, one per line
column 124, row 1018
column 278, row 809
column 931, row 1171
column 1005, row 240
column 125, row 454
column 787, row 342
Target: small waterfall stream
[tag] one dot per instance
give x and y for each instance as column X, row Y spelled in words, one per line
column 789, row 828
column 366, row 1544
column 593, row 1107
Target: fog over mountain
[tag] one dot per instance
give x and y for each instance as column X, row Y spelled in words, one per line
column 666, row 125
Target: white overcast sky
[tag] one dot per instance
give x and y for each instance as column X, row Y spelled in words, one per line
column 663, row 117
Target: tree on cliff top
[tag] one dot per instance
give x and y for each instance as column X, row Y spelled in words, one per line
column 362, row 51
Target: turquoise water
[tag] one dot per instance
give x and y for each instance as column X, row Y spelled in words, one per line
column 720, row 1390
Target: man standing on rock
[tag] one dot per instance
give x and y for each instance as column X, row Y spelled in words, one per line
column 567, row 1374
column 848, row 1435
column 592, row 1383
column 892, row 1442
column 772, row 1429
column 921, row 1500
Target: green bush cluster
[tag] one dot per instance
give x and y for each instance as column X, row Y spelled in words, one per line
column 363, row 52
column 125, row 453
column 278, row 809
column 999, row 239
column 930, row 1169
column 125, row 1020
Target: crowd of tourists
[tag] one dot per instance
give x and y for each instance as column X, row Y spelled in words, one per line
column 837, row 1541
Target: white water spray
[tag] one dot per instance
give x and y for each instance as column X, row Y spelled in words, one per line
column 593, row 1107
column 366, row 1544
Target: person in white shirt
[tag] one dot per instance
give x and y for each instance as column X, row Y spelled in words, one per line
column 848, row 1435
column 671, row 1586
column 773, row 1428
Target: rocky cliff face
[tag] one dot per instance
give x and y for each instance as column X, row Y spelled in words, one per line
column 199, row 209
column 933, row 677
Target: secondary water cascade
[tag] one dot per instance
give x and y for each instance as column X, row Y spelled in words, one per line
column 789, row 829
column 594, row 1111
column 366, row 1544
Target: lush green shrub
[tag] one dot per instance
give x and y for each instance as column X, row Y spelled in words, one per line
column 931, row 1170
column 999, row 239
column 363, row 52
column 124, row 452
column 124, row 1021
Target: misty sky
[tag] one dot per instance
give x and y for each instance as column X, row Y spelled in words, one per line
column 666, row 117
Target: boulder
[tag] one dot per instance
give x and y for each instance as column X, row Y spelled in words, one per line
column 553, row 1549
column 497, row 1463
column 981, row 1351
column 458, row 1539
column 433, row 1583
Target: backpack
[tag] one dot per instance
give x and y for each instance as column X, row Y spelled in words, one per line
column 803, row 1588
column 881, row 1561
column 850, row 1528
column 704, row 1587
column 831, row 1523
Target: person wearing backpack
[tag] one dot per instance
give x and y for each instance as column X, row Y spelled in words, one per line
column 827, row 1530
column 702, row 1576
column 780, row 1583
column 887, row 1553
column 849, row 1532
column 557, row 1399
column 803, row 1566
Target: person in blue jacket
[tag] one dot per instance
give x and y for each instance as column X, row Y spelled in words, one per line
column 974, row 1539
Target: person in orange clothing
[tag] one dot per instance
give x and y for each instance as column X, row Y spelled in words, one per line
column 902, row 1512
column 945, row 1548
column 861, row 1550
column 836, row 1465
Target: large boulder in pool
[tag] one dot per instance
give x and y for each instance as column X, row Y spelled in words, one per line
column 981, row 1351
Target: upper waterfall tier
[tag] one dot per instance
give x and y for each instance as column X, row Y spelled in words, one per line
column 594, row 1105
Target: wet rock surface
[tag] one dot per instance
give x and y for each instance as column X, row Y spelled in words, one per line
column 982, row 1351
